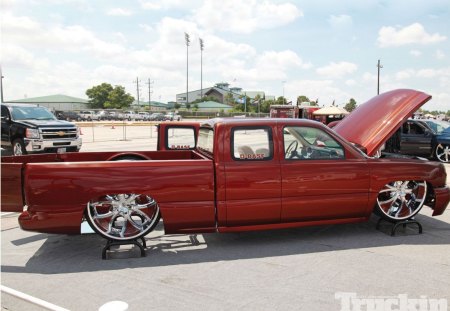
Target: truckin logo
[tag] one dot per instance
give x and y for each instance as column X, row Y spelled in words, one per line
column 401, row 302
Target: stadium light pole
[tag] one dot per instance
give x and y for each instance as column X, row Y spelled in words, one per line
column 186, row 36
column 379, row 66
column 201, row 68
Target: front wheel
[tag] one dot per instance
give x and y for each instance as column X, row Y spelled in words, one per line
column 442, row 153
column 401, row 200
column 123, row 217
column 18, row 147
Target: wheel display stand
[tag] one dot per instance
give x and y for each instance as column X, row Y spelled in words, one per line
column 142, row 246
column 396, row 225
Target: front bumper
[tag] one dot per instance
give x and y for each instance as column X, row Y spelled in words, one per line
column 441, row 200
column 53, row 145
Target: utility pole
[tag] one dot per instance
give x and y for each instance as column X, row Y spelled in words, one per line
column 378, row 81
column 150, row 91
column 186, row 37
column 137, row 89
column 201, row 68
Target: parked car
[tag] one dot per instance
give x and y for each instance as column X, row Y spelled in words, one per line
column 172, row 116
column 33, row 129
column 250, row 174
column 67, row 115
column 104, row 115
column 441, row 139
column 425, row 138
column 157, row 116
column 88, row 115
column 144, row 116
column 131, row 116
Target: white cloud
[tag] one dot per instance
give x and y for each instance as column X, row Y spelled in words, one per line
column 325, row 90
column 119, row 12
column 244, row 16
column 337, row 70
column 340, row 21
column 412, row 34
column 415, row 53
column 282, row 60
column 146, row 27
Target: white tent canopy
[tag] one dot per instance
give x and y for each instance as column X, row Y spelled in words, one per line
column 333, row 110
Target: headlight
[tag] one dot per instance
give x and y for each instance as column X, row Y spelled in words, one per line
column 32, row 133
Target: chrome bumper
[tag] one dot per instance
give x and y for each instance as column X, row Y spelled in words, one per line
column 40, row 145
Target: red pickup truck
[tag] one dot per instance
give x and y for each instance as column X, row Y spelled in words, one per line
column 237, row 175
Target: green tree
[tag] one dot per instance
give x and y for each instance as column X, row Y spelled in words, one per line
column 281, row 101
column 188, row 106
column 176, row 106
column 302, row 99
column 98, row 95
column 351, row 105
column 195, row 107
column 265, row 105
column 118, row 98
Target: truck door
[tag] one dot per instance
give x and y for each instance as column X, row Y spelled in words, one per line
column 318, row 181
column 253, row 180
column 6, row 125
column 415, row 139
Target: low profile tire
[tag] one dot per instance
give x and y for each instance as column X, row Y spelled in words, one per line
column 123, row 217
column 18, row 147
column 442, row 153
column 401, row 200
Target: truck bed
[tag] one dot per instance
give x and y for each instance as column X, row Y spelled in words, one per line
column 66, row 182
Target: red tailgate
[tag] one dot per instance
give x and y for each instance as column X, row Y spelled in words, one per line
column 12, row 200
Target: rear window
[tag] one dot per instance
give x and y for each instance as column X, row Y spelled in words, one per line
column 252, row 143
column 180, row 138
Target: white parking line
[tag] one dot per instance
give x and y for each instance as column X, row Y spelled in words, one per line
column 31, row 299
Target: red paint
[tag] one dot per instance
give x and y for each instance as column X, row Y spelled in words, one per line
column 199, row 193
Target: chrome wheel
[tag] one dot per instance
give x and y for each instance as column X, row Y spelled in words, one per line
column 400, row 200
column 123, row 216
column 443, row 153
column 18, row 147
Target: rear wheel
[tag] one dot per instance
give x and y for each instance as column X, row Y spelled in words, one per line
column 123, row 216
column 401, row 200
column 442, row 153
column 18, row 147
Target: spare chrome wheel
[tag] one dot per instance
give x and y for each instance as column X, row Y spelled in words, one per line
column 401, row 200
column 443, row 153
column 123, row 216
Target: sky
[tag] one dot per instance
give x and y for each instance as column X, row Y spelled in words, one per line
column 324, row 49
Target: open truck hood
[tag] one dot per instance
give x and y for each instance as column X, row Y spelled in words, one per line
column 373, row 122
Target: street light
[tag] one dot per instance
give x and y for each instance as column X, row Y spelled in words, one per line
column 201, row 68
column 283, row 82
column 186, row 36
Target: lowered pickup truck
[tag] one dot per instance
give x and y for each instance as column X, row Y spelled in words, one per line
column 237, row 175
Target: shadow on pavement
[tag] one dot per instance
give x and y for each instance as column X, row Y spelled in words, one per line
column 73, row 254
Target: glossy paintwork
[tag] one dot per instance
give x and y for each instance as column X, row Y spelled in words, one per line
column 200, row 193
column 373, row 122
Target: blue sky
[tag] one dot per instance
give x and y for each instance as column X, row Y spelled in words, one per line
column 326, row 50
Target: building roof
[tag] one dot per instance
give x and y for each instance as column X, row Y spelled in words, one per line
column 58, row 98
column 212, row 105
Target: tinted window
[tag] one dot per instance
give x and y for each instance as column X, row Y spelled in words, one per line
column 31, row 113
column 309, row 143
column 252, row 144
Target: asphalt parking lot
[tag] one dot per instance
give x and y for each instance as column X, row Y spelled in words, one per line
column 295, row 269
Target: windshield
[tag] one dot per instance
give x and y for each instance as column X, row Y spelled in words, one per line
column 438, row 126
column 31, row 113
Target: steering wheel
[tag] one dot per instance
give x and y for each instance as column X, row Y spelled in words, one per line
column 292, row 149
column 307, row 153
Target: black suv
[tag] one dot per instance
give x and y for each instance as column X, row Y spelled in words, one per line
column 67, row 115
column 33, row 129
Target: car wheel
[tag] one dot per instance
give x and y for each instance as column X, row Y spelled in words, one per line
column 123, row 216
column 442, row 153
column 18, row 147
column 401, row 200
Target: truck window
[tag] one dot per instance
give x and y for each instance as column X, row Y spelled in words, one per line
column 206, row 140
column 250, row 144
column 309, row 143
column 180, row 138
